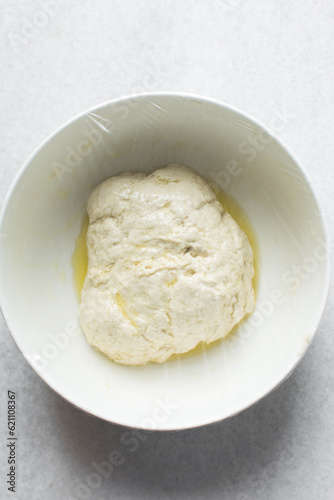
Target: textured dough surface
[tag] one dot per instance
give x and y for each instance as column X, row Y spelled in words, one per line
column 167, row 267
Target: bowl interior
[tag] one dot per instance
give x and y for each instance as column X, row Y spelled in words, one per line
column 42, row 218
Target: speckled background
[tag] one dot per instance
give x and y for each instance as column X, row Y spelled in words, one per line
column 59, row 58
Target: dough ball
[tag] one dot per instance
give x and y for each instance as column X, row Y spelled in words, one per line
column 167, row 267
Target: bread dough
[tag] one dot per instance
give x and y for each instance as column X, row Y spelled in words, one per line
column 167, row 267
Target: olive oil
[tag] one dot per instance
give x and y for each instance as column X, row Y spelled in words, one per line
column 239, row 215
column 80, row 257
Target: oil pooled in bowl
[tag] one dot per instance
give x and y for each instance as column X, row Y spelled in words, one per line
column 80, row 260
column 80, row 257
column 240, row 216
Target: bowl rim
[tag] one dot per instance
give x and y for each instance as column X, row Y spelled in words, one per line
column 261, row 126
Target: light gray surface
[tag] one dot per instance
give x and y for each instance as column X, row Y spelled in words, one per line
column 264, row 57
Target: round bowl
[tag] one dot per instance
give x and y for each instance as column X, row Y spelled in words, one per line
column 41, row 219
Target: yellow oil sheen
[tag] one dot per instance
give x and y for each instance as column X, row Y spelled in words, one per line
column 80, row 257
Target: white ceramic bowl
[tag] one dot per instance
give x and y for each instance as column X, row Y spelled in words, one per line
column 41, row 219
